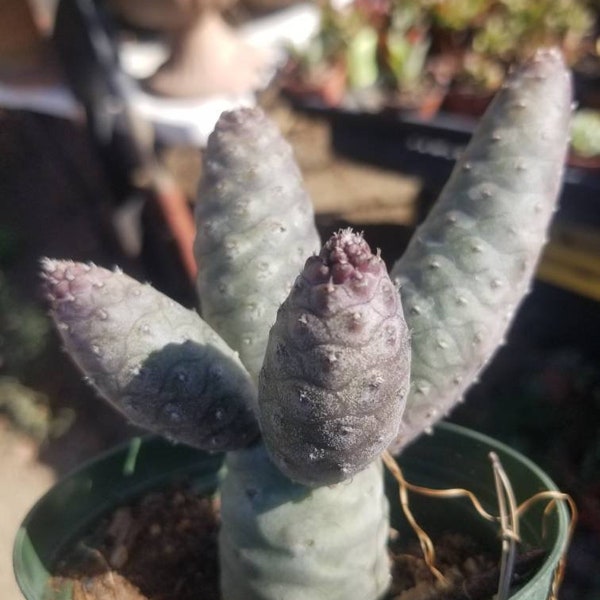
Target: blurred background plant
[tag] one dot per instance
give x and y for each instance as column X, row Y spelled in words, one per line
column 396, row 49
column 374, row 50
column 24, row 335
column 24, row 330
column 585, row 133
column 406, row 45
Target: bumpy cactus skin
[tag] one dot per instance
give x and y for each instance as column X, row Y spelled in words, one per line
column 154, row 360
column 255, row 229
column 281, row 540
column 336, row 370
column 471, row 262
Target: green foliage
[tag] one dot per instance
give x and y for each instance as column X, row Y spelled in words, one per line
column 24, row 330
column 515, row 28
column 407, row 45
column 585, row 133
column 458, row 15
column 399, row 45
column 29, row 410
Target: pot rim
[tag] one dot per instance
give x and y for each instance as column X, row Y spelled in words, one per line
column 188, row 457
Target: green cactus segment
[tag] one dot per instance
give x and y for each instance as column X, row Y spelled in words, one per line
column 336, row 370
column 471, row 262
column 255, row 229
column 154, row 360
column 279, row 539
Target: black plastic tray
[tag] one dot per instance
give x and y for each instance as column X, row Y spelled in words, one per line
column 403, row 142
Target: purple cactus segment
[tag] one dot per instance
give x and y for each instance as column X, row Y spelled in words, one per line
column 155, row 361
column 345, row 257
column 315, row 271
column 336, row 369
column 346, row 273
column 66, row 282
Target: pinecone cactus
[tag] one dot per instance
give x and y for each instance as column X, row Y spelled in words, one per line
column 154, row 360
column 255, row 229
column 336, row 371
column 471, row 263
column 336, row 368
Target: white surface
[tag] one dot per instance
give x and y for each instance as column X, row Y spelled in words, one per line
column 55, row 100
column 186, row 121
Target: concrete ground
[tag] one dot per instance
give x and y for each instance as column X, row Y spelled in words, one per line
column 22, row 481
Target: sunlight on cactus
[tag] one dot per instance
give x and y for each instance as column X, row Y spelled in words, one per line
column 305, row 393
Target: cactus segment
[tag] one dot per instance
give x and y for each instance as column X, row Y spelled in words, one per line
column 336, row 369
column 279, row 539
column 255, row 229
column 470, row 263
column 151, row 358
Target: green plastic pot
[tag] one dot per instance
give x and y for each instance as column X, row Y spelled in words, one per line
column 452, row 457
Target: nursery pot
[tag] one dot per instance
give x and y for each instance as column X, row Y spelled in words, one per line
column 451, row 457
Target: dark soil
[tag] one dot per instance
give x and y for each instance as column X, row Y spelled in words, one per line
column 164, row 547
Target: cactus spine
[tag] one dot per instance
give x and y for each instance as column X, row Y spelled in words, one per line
column 460, row 281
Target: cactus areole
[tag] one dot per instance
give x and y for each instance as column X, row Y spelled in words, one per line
column 304, row 513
